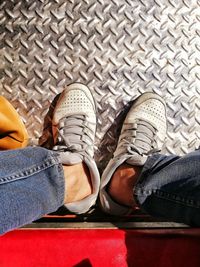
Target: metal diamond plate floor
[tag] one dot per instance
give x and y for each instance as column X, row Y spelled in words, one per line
column 119, row 48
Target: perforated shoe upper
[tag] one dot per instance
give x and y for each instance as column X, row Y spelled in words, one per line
column 144, row 128
column 74, row 121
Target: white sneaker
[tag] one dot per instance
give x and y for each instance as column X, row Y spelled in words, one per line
column 74, row 127
column 143, row 133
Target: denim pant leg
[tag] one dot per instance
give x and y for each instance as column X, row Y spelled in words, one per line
column 169, row 187
column 31, row 185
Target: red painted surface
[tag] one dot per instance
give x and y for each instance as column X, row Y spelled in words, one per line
column 100, row 248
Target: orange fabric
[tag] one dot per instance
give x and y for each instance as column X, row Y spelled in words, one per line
column 13, row 133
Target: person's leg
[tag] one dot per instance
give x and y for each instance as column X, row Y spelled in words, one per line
column 31, row 185
column 167, row 186
column 36, row 181
column 163, row 186
column 33, row 182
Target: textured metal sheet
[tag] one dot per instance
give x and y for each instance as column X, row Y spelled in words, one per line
column 119, row 48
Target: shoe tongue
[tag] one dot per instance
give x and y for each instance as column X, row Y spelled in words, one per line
column 145, row 133
column 70, row 158
column 72, row 132
column 145, row 136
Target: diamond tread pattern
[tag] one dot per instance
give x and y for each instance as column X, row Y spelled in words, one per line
column 119, row 48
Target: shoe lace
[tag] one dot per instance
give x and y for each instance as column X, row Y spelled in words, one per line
column 139, row 137
column 74, row 135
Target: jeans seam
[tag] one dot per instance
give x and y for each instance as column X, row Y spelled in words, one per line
column 168, row 196
column 62, row 187
column 22, row 174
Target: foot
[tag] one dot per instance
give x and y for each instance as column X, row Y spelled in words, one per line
column 74, row 127
column 123, row 181
column 142, row 134
column 73, row 182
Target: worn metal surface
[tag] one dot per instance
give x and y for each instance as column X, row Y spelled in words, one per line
column 119, row 48
column 105, row 225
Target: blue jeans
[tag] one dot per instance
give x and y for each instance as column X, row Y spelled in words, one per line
column 32, row 185
column 169, row 187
